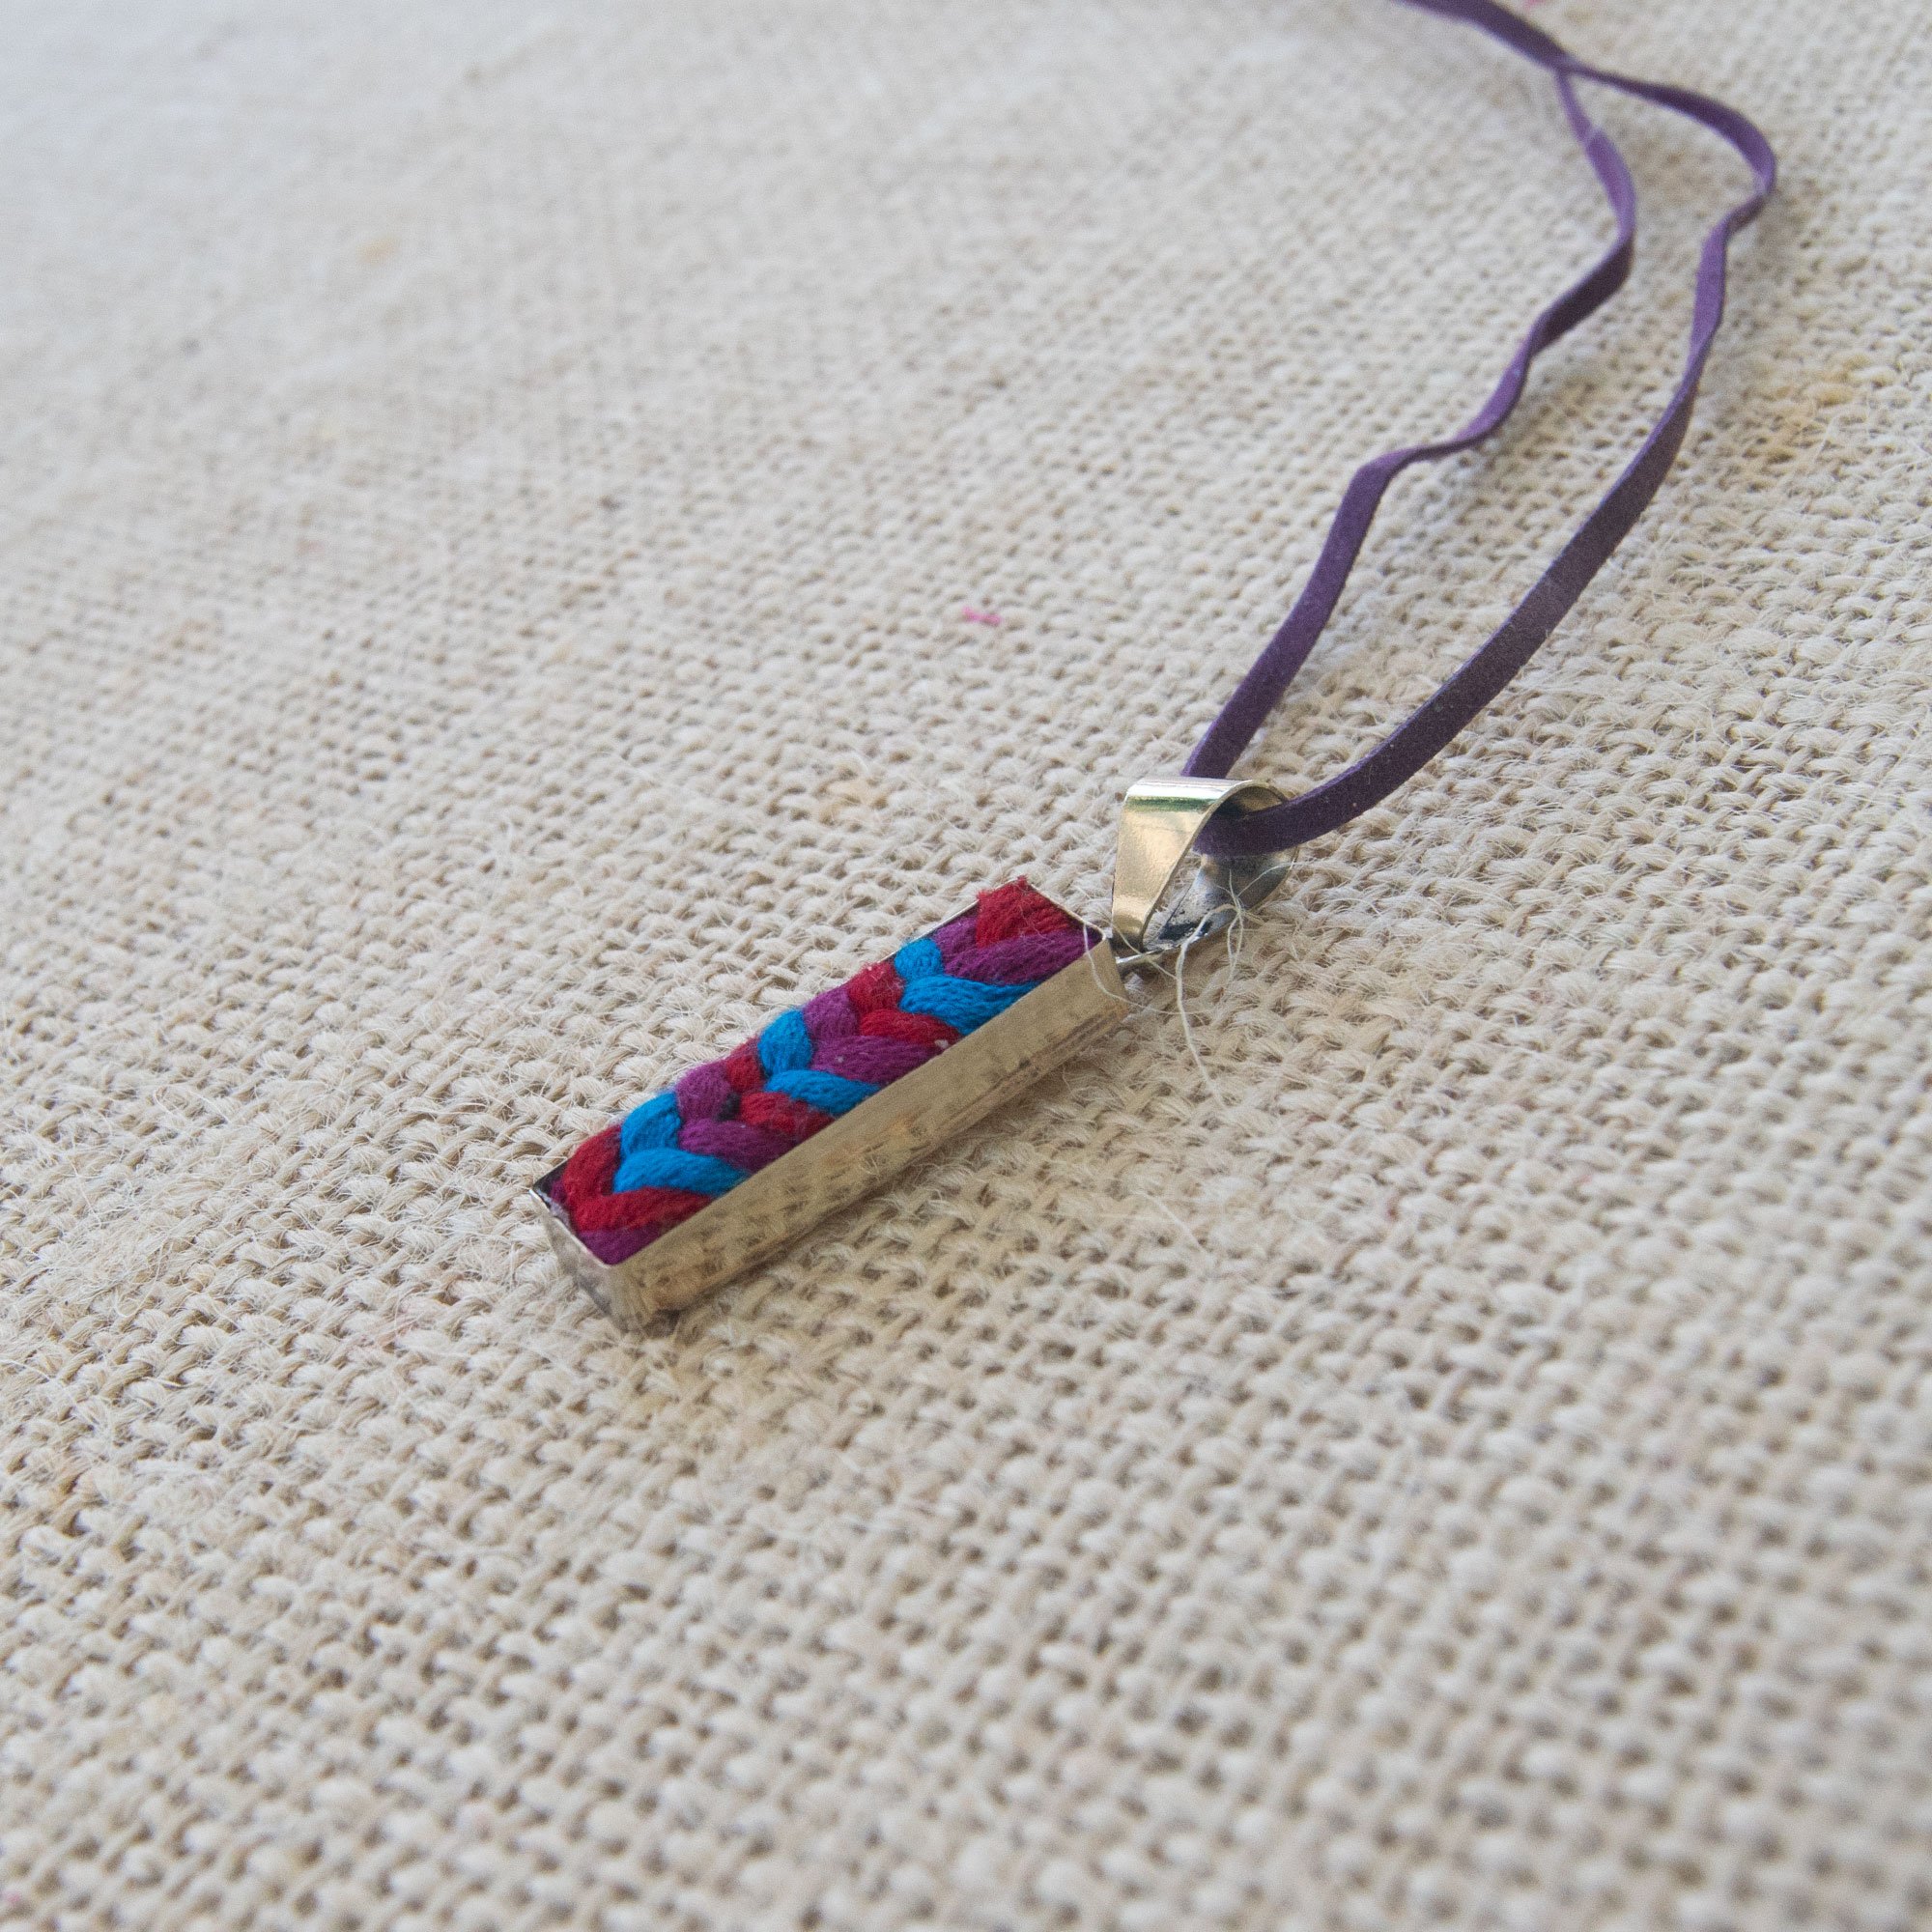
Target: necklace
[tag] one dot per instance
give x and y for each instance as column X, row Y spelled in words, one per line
column 829, row 1100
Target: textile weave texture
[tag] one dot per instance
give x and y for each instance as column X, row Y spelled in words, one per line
column 504, row 514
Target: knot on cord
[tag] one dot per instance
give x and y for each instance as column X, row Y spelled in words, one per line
column 726, row 1120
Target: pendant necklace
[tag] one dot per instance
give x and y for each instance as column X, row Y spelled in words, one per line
column 744, row 1155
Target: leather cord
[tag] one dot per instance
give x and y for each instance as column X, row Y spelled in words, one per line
column 1370, row 779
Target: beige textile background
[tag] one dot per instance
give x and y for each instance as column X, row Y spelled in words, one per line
column 490, row 493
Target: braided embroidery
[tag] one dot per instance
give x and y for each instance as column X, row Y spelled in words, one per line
column 726, row 1120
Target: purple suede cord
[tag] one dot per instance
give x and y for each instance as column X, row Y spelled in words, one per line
column 1404, row 752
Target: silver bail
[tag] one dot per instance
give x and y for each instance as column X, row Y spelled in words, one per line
column 1166, row 893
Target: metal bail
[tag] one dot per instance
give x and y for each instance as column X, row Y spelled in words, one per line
column 1166, row 893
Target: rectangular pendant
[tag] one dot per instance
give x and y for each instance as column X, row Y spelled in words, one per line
column 831, row 1100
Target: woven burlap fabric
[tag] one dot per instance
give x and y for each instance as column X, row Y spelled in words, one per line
column 1438, row 1437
